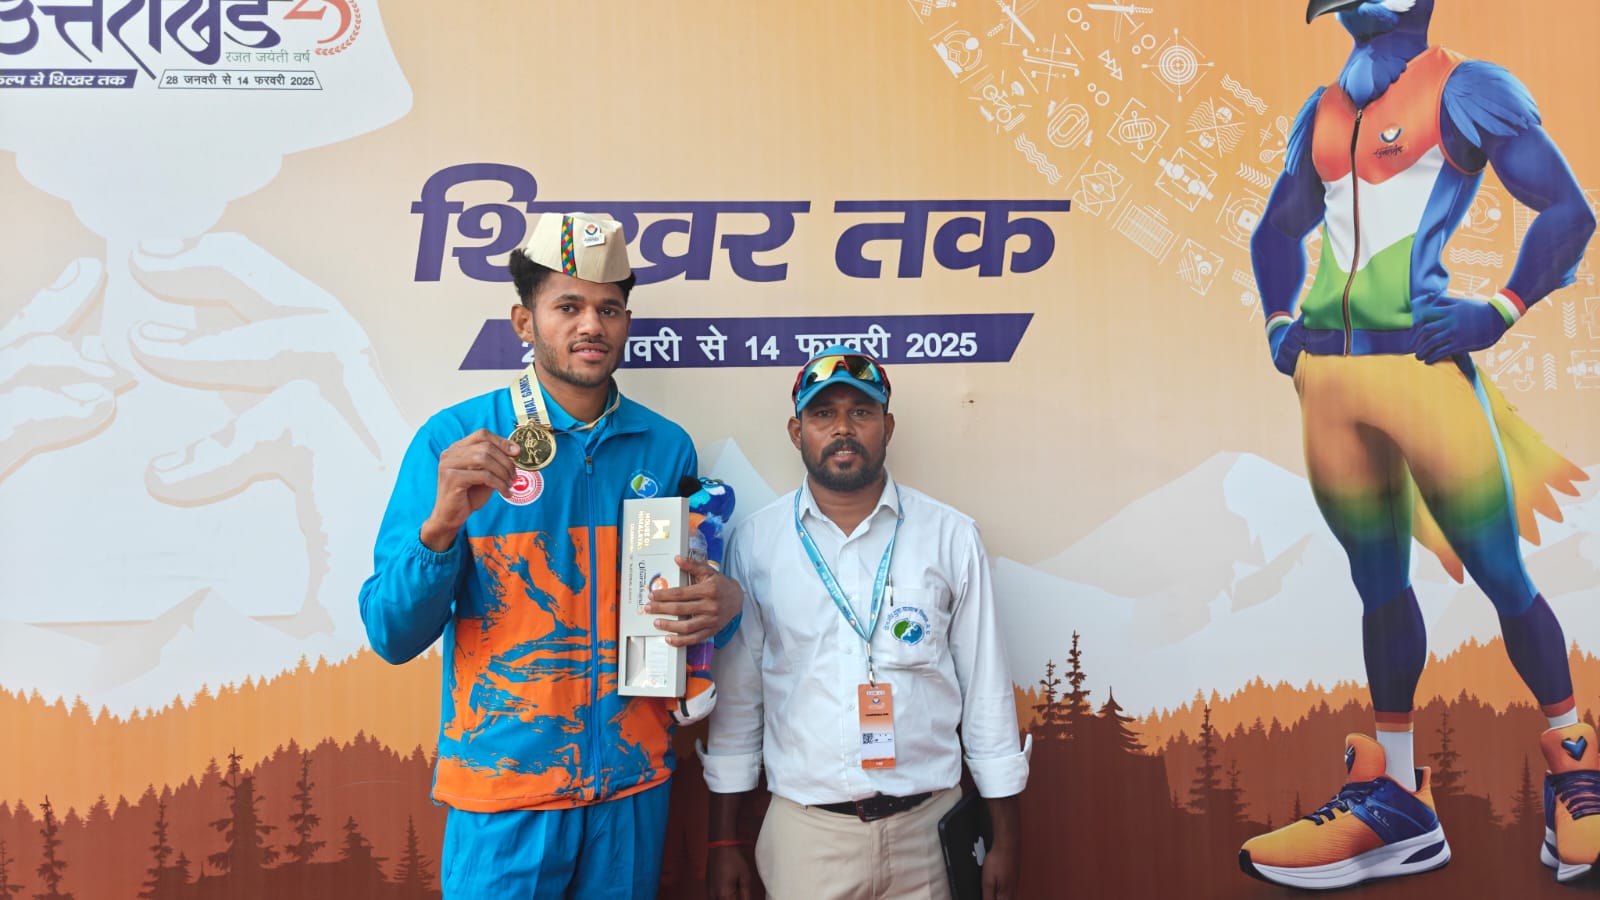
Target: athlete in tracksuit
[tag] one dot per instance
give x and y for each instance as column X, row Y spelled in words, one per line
column 555, row 783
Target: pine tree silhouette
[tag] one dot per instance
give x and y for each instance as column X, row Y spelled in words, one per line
column 1203, row 790
column 361, row 867
column 165, row 881
column 1119, row 725
column 53, row 867
column 1232, row 797
column 8, row 887
column 21, row 818
column 1526, row 827
column 1527, row 804
column 412, row 874
column 1051, row 715
column 304, row 821
column 99, row 814
column 1076, row 700
column 1446, row 777
column 212, row 773
column 247, row 853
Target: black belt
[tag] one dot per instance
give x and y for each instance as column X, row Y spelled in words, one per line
column 880, row 806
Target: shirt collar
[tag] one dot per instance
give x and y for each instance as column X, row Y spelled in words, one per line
column 561, row 420
column 889, row 499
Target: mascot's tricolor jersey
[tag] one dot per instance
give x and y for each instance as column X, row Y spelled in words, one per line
column 1393, row 197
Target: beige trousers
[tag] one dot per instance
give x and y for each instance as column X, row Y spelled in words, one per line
column 805, row 853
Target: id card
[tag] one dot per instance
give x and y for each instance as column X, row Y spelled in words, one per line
column 876, row 704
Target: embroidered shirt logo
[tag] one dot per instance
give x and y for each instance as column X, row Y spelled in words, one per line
column 908, row 625
column 1390, row 148
column 643, row 484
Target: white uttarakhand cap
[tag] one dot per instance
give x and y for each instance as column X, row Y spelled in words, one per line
column 590, row 247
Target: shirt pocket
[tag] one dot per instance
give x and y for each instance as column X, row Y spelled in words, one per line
column 912, row 632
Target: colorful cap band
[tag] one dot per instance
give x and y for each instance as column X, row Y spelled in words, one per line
column 590, row 247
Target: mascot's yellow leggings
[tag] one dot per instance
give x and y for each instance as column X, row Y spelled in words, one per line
column 1385, row 431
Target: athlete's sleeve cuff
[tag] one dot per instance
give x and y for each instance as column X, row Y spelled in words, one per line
column 1278, row 320
column 430, row 557
column 1509, row 305
column 726, row 634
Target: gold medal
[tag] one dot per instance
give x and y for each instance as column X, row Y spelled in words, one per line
column 537, row 446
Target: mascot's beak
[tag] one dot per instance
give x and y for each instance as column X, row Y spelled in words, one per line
column 1318, row 7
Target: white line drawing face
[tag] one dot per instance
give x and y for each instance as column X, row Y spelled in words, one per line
column 148, row 162
column 198, row 431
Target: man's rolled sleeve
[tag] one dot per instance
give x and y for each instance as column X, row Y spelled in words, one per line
column 988, row 700
column 732, row 762
column 1003, row 776
column 733, row 774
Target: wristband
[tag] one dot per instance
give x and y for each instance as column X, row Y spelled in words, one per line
column 1278, row 320
column 1509, row 305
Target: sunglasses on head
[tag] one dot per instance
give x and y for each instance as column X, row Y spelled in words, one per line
column 861, row 368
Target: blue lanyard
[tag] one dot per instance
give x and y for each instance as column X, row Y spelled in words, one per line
column 832, row 584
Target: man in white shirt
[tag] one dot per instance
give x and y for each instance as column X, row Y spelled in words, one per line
column 868, row 639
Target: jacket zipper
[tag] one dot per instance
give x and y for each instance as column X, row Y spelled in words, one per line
column 594, row 628
column 1355, row 215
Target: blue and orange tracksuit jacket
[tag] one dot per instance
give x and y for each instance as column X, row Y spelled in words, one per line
column 526, row 601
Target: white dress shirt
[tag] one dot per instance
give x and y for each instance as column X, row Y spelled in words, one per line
column 787, row 681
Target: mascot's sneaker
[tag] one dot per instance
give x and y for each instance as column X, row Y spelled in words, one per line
column 1373, row 829
column 1547, row 850
column 1571, row 801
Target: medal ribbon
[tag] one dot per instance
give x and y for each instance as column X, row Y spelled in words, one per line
column 528, row 400
column 840, row 601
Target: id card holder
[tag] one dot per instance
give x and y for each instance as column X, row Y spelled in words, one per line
column 876, row 704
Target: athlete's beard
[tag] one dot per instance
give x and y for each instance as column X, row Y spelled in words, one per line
column 849, row 481
column 549, row 362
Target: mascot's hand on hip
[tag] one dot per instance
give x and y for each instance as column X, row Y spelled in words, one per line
column 1452, row 325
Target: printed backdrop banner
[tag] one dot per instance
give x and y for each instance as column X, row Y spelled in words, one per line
column 251, row 245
